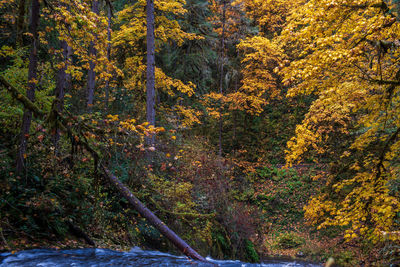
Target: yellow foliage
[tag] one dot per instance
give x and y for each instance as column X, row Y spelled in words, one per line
column 189, row 116
column 346, row 54
column 259, row 82
column 134, row 25
column 80, row 27
column 130, row 39
column 175, row 194
column 270, row 15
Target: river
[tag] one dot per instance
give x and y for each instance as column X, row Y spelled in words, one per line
column 135, row 257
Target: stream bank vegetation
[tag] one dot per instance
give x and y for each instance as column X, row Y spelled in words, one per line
column 250, row 128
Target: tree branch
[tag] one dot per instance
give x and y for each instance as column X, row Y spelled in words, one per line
column 384, row 150
column 22, row 98
column 382, row 5
column 382, row 82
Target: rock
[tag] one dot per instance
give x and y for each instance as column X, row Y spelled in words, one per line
column 136, row 249
column 300, row 254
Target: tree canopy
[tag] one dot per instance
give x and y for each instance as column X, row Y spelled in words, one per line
column 253, row 111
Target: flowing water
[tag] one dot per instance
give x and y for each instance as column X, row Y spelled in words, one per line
column 135, row 257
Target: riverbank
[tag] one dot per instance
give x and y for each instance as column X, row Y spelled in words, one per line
column 68, row 243
column 281, row 231
column 306, row 247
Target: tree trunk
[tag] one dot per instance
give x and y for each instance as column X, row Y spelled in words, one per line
column 20, row 23
column 91, row 82
column 150, row 75
column 235, row 116
column 62, row 84
column 152, row 219
column 109, row 15
column 221, row 71
column 30, row 92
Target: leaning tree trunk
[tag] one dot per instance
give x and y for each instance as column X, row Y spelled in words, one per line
column 30, row 92
column 150, row 75
column 152, row 219
column 91, row 81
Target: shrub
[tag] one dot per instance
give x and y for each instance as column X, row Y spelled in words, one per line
column 251, row 253
column 289, row 240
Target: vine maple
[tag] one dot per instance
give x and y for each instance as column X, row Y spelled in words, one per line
column 347, row 55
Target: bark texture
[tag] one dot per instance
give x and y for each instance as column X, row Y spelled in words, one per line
column 109, row 15
column 91, row 82
column 62, row 84
column 32, row 80
column 150, row 75
column 20, row 22
column 153, row 219
column 221, row 72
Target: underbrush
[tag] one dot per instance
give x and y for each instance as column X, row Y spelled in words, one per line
column 206, row 200
column 186, row 185
column 281, row 194
column 289, row 240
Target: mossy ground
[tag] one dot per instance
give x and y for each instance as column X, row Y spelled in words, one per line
column 283, row 194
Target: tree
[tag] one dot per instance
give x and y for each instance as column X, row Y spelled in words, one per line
column 230, row 27
column 150, row 74
column 62, row 84
column 268, row 15
column 91, row 79
column 129, row 43
column 85, row 30
column 259, row 82
column 251, row 81
column 221, row 70
column 32, row 81
column 20, row 22
column 262, row 56
column 109, row 19
column 346, row 55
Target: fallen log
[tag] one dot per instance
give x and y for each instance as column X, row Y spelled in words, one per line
column 62, row 122
column 152, row 219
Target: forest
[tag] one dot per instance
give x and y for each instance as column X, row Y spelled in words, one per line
column 251, row 128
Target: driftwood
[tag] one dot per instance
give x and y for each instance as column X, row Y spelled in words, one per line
column 62, row 124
